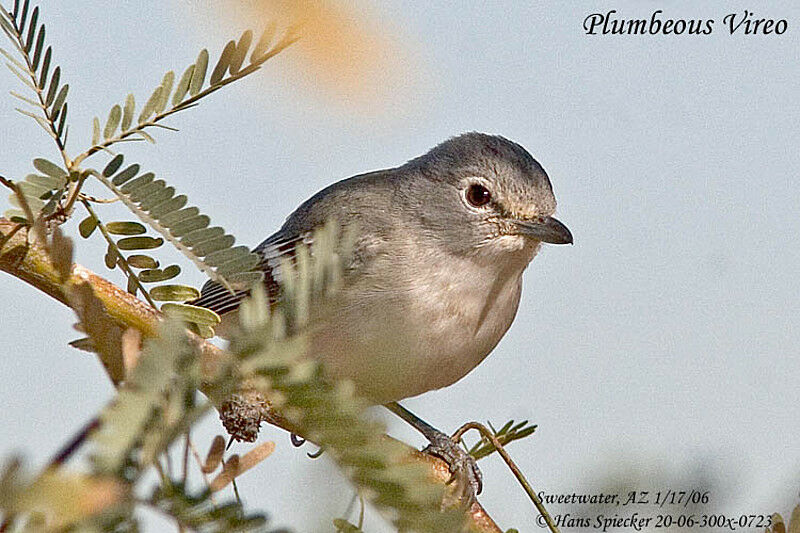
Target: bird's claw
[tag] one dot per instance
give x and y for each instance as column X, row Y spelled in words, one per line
column 463, row 467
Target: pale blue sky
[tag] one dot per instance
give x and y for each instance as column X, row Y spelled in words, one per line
column 663, row 344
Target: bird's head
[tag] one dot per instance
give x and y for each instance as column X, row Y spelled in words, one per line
column 485, row 196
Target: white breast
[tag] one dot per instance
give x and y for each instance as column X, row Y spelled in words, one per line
column 399, row 343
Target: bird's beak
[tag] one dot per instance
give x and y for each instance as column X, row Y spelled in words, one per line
column 545, row 229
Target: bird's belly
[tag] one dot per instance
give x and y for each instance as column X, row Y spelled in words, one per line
column 401, row 346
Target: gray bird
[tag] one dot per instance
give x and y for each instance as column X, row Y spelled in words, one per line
column 436, row 273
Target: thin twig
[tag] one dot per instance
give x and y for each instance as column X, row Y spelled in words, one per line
column 74, row 443
column 512, row 466
column 161, row 474
column 288, row 40
column 69, row 164
column 31, row 72
column 236, row 491
column 96, row 200
column 168, row 458
column 200, row 466
column 74, row 194
column 121, row 261
column 11, row 233
column 185, row 461
column 361, row 511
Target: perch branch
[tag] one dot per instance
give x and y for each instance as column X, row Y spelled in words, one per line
column 30, row 263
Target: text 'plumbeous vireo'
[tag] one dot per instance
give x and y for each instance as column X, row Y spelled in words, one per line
column 435, row 275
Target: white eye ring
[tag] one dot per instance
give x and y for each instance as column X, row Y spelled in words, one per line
column 477, row 195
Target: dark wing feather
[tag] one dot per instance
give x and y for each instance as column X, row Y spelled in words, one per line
column 220, row 300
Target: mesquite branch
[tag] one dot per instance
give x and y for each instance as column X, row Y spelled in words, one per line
column 30, row 263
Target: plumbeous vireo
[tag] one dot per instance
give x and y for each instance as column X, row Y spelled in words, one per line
column 436, row 272
column 442, row 243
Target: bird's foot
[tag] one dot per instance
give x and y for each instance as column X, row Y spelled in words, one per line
column 463, row 467
column 298, row 441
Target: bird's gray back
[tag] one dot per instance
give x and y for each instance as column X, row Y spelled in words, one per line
column 358, row 202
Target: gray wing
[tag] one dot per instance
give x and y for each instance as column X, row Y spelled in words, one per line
column 347, row 201
column 220, row 300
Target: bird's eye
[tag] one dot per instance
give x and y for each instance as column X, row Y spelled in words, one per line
column 478, row 195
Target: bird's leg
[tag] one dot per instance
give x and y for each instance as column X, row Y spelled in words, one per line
column 462, row 465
